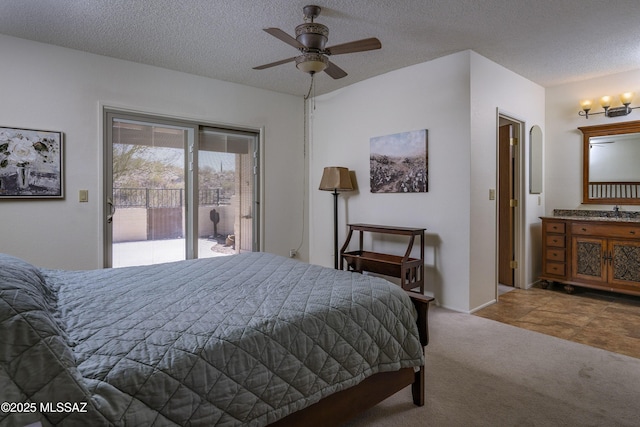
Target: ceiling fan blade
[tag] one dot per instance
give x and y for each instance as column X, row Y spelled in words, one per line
column 273, row 64
column 334, row 71
column 278, row 33
column 355, row 46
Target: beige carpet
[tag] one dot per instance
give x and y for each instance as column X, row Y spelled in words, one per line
column 484, row 373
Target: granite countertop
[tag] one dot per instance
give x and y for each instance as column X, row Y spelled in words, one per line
column 593, row 218
column 588, row 215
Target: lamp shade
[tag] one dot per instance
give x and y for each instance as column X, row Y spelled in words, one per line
column 336, row 178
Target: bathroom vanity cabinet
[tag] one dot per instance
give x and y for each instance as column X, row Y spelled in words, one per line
column 599, row 253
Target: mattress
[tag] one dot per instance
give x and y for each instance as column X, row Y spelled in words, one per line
column 239, row 340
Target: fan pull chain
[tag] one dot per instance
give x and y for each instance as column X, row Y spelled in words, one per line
column 311, row 87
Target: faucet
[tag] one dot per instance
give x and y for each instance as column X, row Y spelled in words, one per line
column 616, row 210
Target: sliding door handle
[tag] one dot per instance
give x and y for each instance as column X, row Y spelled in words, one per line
column 112, row 210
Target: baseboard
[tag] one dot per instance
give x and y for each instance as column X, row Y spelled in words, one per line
column 487, row 304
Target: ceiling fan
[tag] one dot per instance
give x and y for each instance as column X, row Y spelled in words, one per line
column 310, row 40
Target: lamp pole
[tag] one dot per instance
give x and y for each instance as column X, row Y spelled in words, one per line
column 336, row 178
column 335, row 228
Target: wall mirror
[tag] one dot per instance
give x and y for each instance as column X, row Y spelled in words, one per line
column 535, row 160
column 610, row 172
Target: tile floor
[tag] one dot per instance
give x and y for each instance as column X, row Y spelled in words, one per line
column 600, row 319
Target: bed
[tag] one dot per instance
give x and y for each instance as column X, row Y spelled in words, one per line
column 250, row 339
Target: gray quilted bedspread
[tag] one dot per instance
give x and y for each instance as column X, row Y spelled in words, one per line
column 238, row 340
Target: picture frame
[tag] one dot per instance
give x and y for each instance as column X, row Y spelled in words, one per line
column 31, row 164
column 398, row 163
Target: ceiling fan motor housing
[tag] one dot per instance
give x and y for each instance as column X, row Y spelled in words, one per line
column 312, row 35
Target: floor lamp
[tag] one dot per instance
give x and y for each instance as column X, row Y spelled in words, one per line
column 335, row 179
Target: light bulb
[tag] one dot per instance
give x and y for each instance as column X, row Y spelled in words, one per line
column 626, row 98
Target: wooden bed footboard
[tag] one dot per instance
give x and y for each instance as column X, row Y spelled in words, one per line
column 340, row 407
column 421, row 302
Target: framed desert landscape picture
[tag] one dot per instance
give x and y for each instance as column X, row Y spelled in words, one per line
column 398, row 163
column 30, row 163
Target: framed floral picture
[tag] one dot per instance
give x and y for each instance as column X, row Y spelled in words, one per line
column 398, row 163
column 30, row 164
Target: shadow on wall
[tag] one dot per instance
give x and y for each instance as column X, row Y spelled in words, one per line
column 432, row 277
column 535, row 236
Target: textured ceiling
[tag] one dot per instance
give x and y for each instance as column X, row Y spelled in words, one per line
column 548, row 42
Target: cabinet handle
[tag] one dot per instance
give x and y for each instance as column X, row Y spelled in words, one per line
column 584, row 229
column 632, row 232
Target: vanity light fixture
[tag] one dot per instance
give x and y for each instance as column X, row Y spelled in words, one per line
column 605, row 102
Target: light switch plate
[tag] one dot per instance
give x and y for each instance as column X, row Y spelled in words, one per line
column 492, row 194
column 83, row 196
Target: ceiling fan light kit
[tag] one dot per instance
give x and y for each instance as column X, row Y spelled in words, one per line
column 311, row 39
column 312, row 63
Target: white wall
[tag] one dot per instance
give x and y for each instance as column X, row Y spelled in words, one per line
column 455, row 98
column 418, row 97
column 494, row 88
column 52, row 88
column 563, row 155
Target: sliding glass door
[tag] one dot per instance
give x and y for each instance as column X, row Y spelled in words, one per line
column 228, row 179
column 177, row 190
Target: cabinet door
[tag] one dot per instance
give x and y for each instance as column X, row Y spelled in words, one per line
column 625, row 262
column 588, row 261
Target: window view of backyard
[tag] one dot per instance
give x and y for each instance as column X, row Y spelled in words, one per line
column 150, row 197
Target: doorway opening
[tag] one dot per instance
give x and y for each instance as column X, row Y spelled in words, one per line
column 509, row 206
column 177, row 190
